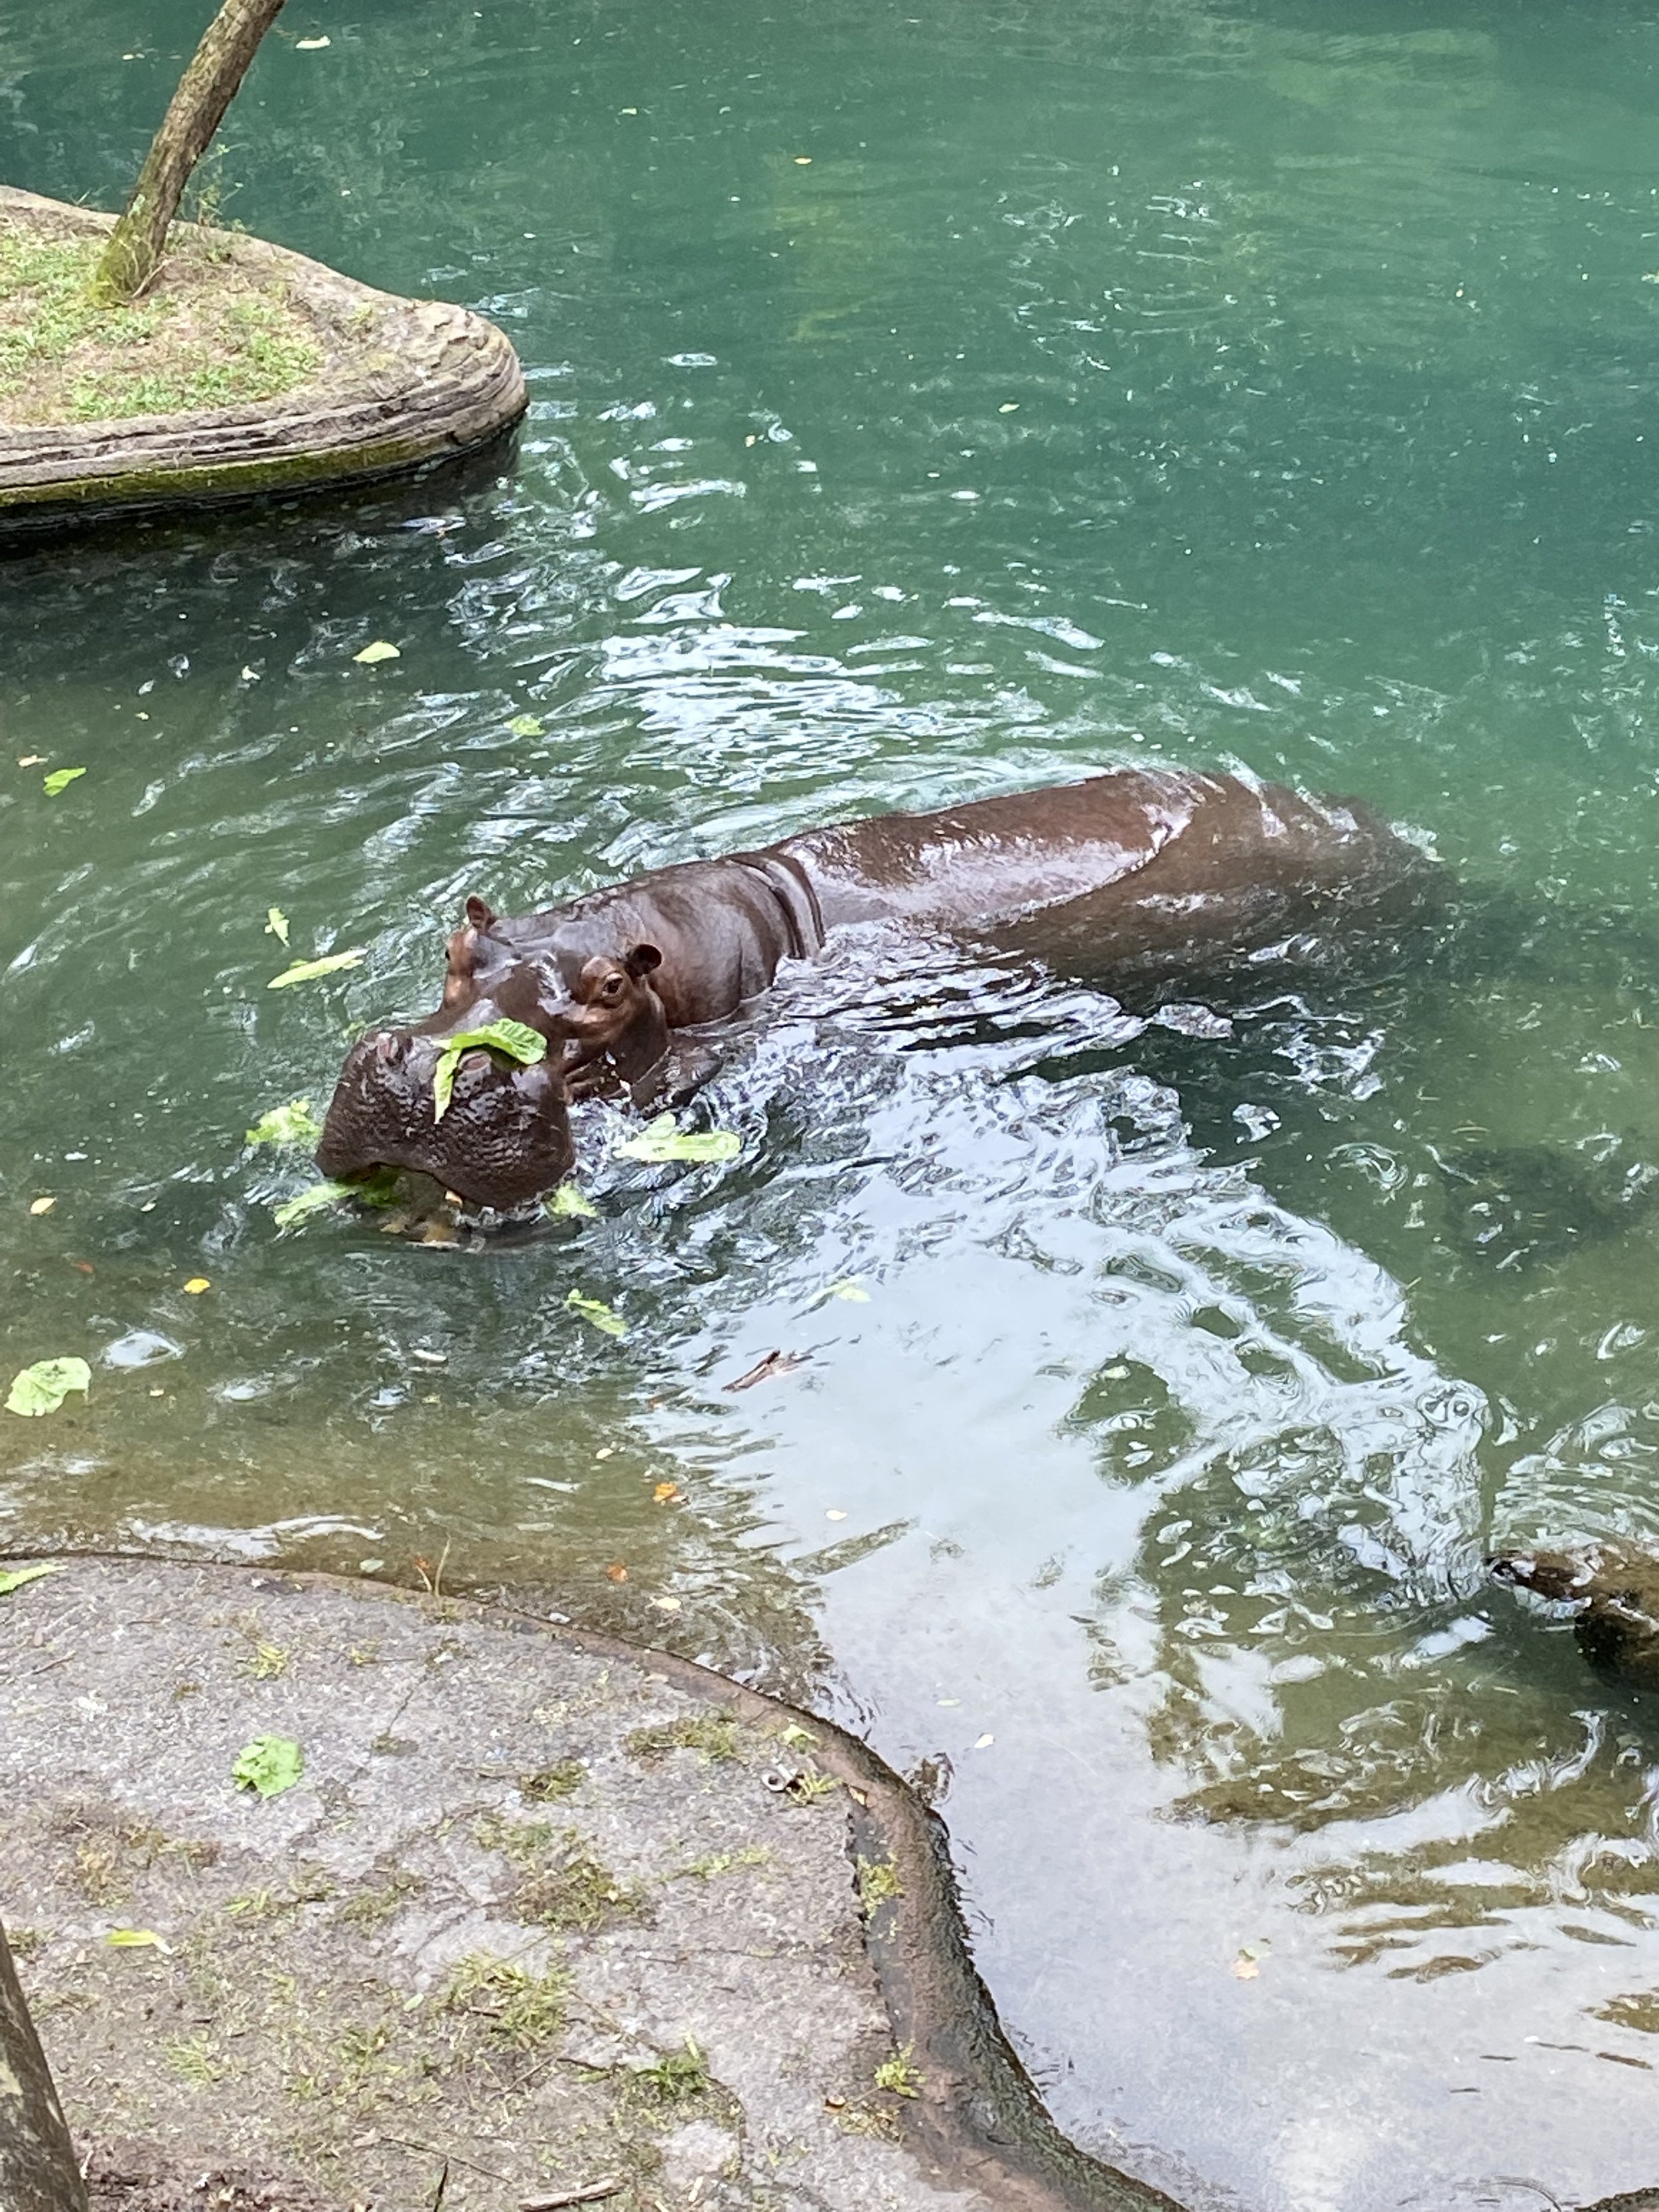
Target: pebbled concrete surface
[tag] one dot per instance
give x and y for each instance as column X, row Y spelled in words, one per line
column 533, row 1918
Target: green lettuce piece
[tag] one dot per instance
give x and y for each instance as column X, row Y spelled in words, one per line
column 605, row 1318
column 60, row 779
column 277, row 923
column 660, row 1141
column 526, row 725
column 270, row 1764
column 15, row 1577
column 306, row 971
column 286, row 1125
column 517, row 1040
column 43, row 1387
column 567, row 1204
column 378, row 1189
column 381, row 649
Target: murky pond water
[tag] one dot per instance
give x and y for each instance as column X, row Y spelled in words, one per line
column 926, row 405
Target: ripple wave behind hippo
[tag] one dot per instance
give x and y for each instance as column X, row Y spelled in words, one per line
column 1127, row 880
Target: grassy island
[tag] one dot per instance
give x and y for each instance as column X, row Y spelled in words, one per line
column 212, row 331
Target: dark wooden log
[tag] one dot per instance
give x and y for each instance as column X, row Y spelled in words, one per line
column 38, row 2168
column 194, row 114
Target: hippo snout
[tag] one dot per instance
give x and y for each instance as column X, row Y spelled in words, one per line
column 503, row 1140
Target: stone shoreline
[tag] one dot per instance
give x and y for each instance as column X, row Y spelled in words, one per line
column 544, row 1910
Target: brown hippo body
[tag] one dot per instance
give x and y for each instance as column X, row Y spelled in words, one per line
column 1131, row 877
column 1617, row 1592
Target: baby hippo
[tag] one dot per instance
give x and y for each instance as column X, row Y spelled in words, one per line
column 1617, row 1592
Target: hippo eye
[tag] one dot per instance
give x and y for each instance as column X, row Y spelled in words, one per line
column 611, row 987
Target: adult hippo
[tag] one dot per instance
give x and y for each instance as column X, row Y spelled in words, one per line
column 1127, row 880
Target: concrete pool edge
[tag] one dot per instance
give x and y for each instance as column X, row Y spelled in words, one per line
column 969, row 2121
column 404, row 384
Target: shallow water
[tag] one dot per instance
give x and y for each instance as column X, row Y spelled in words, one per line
column 923, row 406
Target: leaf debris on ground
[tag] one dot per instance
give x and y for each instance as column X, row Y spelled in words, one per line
column 12, row 1578
column 270, row 1764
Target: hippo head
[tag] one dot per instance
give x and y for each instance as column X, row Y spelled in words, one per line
column 503, row 1139
column 571, row 981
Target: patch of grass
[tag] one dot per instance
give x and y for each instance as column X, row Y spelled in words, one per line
column 552, row 1783
column 373, row 1908
column 711, row 1735
column 897, row 2076
column 267, row 1662
column 577, row 1894
column 678, row 2076
column 565, row 1884
column 194, row 2060
column 723, row 1862
column 206, row 336
column 877, row 1884
column 523, row 2010
column 24, row 1942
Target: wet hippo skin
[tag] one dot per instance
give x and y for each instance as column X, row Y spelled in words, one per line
column 1128, row 879
column 1617, row 1592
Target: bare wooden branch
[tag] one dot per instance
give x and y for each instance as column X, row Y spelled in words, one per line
column 194, row 114
column 38, row 2172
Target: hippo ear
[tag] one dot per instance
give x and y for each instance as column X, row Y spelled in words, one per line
column 479, row 913
column 640, row 959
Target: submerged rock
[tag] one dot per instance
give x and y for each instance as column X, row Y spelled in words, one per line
column 1528, row 1201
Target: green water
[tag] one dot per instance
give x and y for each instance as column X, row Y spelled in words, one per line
column 927, row 404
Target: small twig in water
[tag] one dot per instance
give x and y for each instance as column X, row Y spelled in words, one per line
column 775, row 1362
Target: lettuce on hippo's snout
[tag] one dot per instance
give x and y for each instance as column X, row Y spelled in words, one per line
column 378, row 1189
column 517, row 1040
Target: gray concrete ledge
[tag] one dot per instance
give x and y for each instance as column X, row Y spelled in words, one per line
column 543, row 1910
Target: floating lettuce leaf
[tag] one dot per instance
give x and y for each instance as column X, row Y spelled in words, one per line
column 660, row 1140
column 567, row 1204
column 286, row 1125
column 379, row 1189
column 516, row 1039
column 381, row 649
column 15, row 1577
column 305, row 971
column 277, row 923
column 603, row 1317
column 270, row 1764
column 526, row 725
column 43, row 1387
column 60, row 779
